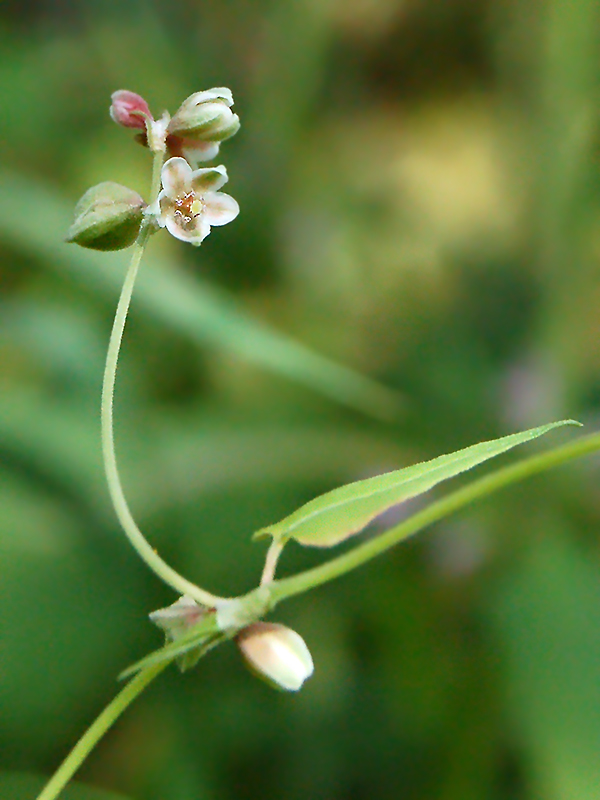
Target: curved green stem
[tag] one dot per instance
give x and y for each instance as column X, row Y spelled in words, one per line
column 135, row 536
column 280, row 590
column 97, row 730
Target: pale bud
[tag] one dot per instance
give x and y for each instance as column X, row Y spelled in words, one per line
column 206, row 116
column 277, row 654
column 108, row 217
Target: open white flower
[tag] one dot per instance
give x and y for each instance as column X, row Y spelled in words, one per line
column 190, row 203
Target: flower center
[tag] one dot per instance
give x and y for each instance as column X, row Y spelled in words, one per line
column 187, row 208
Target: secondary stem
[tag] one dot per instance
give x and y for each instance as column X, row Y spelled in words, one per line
column 271, row 560
column 97, row 730
column 135, row 536
column 297, row 584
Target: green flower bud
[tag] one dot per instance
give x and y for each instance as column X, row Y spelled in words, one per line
column 108, row 217
column 277, row 654
column 205, row 116
column 176, row 620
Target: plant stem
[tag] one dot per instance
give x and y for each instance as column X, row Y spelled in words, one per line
column 155, row 184
column 271, row 560
column 297, row 584
column 135, row 536
column 97, row 730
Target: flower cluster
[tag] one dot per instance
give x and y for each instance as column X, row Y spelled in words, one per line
column 109, row 216
column 196, row 130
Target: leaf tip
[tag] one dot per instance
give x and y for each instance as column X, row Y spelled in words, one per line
column 128, row 672
column 262, row 534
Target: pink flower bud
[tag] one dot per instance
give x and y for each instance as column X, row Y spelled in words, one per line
column 129, row 109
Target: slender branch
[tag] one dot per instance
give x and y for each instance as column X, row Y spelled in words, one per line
column 297, row 584
column 157, row 163
column 135, row 536
column 271, row 560
column 97, row 730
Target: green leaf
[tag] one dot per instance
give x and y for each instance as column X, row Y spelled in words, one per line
column 337, row 515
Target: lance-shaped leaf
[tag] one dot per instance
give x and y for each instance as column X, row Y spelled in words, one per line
column 337, row 515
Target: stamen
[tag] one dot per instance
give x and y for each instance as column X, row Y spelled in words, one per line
column 187, row 208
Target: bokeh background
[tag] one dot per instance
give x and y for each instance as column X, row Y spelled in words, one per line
column 415, row 268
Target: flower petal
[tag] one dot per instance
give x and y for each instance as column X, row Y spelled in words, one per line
column 222, row 93
column 219, row 93
column 209, row 179
column 193, row 234
column 196, row 152
column 220, row 208
column 176, row 176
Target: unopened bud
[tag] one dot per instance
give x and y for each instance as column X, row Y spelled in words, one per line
column 129, row 109
column 178, row 619
column 206, row 116
column 108, row 217
column 277, row 654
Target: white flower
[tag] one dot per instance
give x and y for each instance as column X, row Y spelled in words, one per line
column 189, row 202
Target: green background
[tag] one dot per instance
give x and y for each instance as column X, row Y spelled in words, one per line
column 419, row 183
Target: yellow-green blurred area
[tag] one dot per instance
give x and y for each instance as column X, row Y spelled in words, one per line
column 415, row 268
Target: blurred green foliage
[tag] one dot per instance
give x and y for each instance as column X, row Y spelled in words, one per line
column 420, row 193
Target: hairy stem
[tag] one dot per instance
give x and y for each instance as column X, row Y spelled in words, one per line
column 97, row 730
